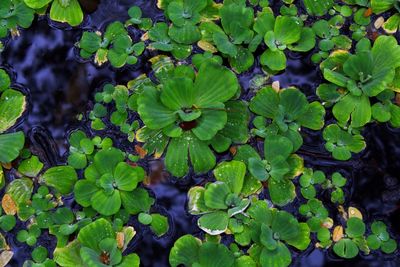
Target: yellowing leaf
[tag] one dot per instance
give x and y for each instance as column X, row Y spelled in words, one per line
column 8, row 205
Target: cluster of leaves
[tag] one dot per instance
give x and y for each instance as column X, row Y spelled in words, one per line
column 185, row 114
column 114, row 45
column 188, row 114
column 14, row 14
column 12, row 106
column 99, row 243
column 355, row 81
column 265, row 231
column 124, row 99
column 66, row 11
column 20, row 13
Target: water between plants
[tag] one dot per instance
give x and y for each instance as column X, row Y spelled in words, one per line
column 61, row 86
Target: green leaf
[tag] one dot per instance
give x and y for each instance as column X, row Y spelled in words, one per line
column 224, row 45
column 185, row 251
column 136, row 201
column 318, row 8
column 391, row 25
column 279, row 257
column 5, row 80
column 282, row 192
column 346, row 248
column 267, row 238
column 70, row 13
column 213, row 119
column 201, row 156
column 215, row 255
column 373, row 242
column 186, row 34
column 379, row 6
column 302, row 240
column 159, row 224
column 36, row 4
column 335, row 77
column 358, row 108
column 313, row 118
column 68, row 256
column 242, row 61
column 338, row 180
column 127, row 177
column 223, row 88
column 214, row 223
column 232, row 174
column 83, row 192
column 275, row 60
column 12, row 105
column 385, row 53
column 149, row 104
column 176, row 159
column 90, row 42
column 216, row 194
column 285, row 226
column 381, row 112
column 178, row 93
column 10, row 146
column 257, row 169
column 91, row 235
column 145, row 218
column 106, row 204
column 355, row 227
column 265, row 103
column 196, row 202
column 131, row 260
column 287, row 30
column 276, row 145
column 306, row 41
column 90, row 257
column 62, row 178
column 389, row 246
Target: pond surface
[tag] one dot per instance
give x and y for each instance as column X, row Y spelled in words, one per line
column 44, row 63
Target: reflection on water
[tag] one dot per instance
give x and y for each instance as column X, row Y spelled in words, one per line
column 61, row 86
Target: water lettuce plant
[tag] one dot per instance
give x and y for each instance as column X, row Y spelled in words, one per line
column 236, row 137
column 234, row 39
column 68, row 11
column 109, row 183
column 380, row 238
column 97, row 244
column 114, row 45
column 14, row 14
column 187, row 114
column 328, row 33
column 191, row 251
column 161, row 41
column 284, row 112
column 365, row 74
column 281, row 33
column 185, row 15
column 272, row 231
column 219, row 202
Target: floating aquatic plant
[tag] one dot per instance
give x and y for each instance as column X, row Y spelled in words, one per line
column 192, row 110
column 187, row 114
column 114, row 45
column 109, row 183
column 14, row 14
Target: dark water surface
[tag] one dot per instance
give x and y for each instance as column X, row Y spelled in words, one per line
column 43, row 61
